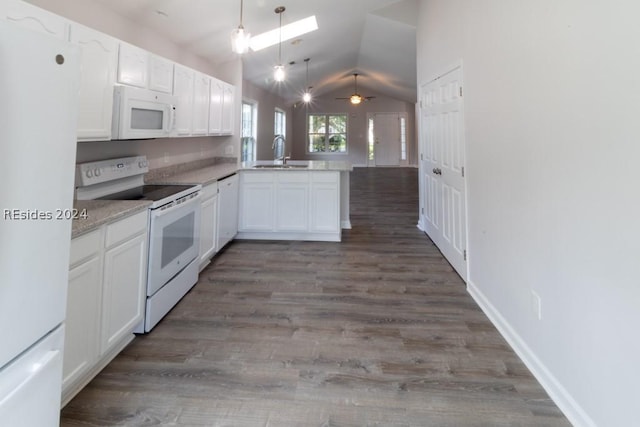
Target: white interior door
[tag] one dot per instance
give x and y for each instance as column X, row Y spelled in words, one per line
column 443, row 197
column 386, row 134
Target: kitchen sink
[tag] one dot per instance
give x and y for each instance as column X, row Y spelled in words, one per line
column 285, row 166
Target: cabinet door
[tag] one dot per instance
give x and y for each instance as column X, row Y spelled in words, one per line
column 183, row 88
column 325, row 202
column 201, row 104
column 124, row 289
column 133, row 65
column 208, row 228
column 34, row 18
column 256, row 201
column 228, row 109
column 160, row 74
column 99, row 61
column 82, row 324
column 292, row 201
column 216, row 100
column 228, row 210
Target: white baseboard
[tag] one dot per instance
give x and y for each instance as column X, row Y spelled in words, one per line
column 571, row 409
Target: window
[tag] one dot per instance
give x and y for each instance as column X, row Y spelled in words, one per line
column 279, row 129
column 327, row 133
column 248, row 138
column 403, row 138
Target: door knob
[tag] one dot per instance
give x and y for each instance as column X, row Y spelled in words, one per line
column 437, row 171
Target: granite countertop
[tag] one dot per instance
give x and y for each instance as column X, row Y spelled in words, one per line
column 204, row 175
column 311, row 165
column 100, row 212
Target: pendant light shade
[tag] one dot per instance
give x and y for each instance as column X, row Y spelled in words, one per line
column 240, row 37
column 278, row 71
column 306, row 97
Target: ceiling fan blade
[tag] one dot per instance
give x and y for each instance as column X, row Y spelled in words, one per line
column 343, row 98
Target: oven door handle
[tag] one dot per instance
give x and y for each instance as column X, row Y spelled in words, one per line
column 159, row 213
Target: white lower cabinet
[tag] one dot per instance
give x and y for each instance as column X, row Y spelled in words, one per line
column 292, row 201
column 123, row 293
column 257, row 193
column 208, row 223
column 105, row 299
column 290, row 205
column 325, row 202
column 84, row 297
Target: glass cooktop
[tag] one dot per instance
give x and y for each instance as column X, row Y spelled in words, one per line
column 148, row 192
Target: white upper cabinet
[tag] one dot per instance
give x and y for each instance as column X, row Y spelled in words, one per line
column 34, row 18
column 228, row 109
column 160, row 74
column 221, row 108
column 183, row 89
column 99, row 61
column 201, row 104
column 133, row 65
column 192, row 110
column 216, row 97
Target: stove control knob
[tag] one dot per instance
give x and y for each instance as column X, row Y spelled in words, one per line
column 97, row 172
column 141, row 164
column 89, row 173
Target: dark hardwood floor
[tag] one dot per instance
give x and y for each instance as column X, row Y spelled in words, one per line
column 375, row 331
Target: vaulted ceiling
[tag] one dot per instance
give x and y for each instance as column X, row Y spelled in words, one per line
column 375, row 38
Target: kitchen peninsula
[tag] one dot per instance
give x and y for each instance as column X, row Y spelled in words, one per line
column 296, row 200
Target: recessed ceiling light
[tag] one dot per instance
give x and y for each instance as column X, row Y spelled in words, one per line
column 289, row 31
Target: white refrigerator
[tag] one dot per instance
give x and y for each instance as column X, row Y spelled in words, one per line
column 39, row 80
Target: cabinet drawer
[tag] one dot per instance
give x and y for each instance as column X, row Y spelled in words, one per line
column 292, row 177
column 209, row 191
column 329, row 176
column 126, row 228
column 257, row 176
column 85, row 246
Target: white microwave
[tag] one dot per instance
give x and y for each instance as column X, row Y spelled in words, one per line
column 142, row 113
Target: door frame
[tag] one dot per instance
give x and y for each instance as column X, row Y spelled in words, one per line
column 401, row 114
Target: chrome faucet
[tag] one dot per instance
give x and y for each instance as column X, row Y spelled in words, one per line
column 279, row 143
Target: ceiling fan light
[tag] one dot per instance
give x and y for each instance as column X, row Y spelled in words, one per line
column 240, row 40
column 278, row 73
column 306, row 97
column 355, row 99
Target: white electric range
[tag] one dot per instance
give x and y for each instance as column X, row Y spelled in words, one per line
column 174, row 227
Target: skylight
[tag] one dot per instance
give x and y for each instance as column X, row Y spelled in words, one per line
column 289, row 31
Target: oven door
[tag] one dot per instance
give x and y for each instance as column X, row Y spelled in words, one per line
column 174, row 241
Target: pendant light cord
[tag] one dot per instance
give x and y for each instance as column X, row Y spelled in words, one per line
column 280, row 44
column 241, row 1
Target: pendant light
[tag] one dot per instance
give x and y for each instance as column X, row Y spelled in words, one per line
column 239, row 37
column 306, row 97
column 278, row 71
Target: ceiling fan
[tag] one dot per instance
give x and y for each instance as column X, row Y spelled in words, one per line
column 356, row 98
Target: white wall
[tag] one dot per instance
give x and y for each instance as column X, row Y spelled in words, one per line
column 551, row 105
column 357, row 124
column 160, row 152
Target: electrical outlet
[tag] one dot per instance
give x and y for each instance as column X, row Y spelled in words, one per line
column 166, row 157
column 536, row 305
